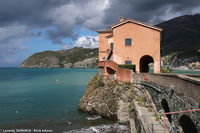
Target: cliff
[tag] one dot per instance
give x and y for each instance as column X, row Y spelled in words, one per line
column 74, row 58
column 128, row 103
column 109, row 99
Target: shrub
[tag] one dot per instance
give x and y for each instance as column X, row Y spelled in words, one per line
column 128, row 66
column 98, row 81
column 131, row 108
column 149, row 110
column 166, row 70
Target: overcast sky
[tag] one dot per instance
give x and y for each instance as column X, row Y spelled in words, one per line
column 29, row 26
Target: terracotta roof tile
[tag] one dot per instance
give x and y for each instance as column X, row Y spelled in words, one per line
column 137, row 22
column 105, row 31
column 109, row 36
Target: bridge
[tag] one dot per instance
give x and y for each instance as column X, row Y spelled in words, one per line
column 176, row 95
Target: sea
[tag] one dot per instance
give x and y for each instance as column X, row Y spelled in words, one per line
column 46, row 100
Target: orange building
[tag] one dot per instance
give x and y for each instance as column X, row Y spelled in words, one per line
column 131, row 42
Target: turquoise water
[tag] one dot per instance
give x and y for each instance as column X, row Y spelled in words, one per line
column 186, row 71
column 32, row 97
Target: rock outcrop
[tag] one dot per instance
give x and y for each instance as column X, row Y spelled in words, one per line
column 46, row 62
column 109, row 99
column 87, row 63
column 128, row 103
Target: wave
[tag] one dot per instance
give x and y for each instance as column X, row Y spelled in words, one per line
column 116, row 128
column 95, row 117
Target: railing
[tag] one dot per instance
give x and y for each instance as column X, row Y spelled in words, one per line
column 153, row 127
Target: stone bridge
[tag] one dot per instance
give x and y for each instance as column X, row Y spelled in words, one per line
column 172, row 93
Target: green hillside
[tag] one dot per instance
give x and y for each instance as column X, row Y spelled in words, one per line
column 61, row 57
column 181, row 36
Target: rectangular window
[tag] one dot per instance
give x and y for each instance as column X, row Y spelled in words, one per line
column 111, row 46
column 128, row 62
column 128, row 41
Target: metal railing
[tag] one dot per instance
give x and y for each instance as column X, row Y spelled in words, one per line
column 153, row 127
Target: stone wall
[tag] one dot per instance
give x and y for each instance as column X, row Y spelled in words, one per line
column 180, row 93
column 176, row 102
column 121, row 74
column 188, row 86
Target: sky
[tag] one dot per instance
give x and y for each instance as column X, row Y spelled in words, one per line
column 30, row 26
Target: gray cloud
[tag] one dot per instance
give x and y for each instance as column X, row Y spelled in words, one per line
column 11, row 38
column 149, row 10
column 59, row 18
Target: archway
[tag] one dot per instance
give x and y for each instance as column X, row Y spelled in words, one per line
column 187, row 125
column 165, row 106
column 144, row 63
column 110, row 70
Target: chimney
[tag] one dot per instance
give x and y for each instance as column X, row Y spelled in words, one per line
column 121, row 19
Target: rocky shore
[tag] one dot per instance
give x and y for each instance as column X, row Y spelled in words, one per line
column 124, row 102
column 109, row 99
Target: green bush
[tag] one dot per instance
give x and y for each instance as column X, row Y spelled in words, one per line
column 166, row 70
column 128, row 66
column 97, row 81
column 100, row 82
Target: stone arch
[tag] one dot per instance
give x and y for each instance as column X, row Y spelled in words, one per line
column 187, row 125
column 110, row 70
column 166, row 108
column 144, row 63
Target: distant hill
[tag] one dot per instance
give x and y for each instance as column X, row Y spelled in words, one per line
column 77, row 57
column 181, row 35
column 181, row 38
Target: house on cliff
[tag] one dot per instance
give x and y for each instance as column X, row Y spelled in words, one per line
column 129, row 42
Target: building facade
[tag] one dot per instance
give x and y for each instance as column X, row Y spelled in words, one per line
column 131, row 42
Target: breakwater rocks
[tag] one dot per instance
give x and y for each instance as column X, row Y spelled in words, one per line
column 109, row 99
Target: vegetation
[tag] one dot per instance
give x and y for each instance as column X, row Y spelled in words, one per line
column 97, row 81
column 64, row 56
column 131, row 108
column 149, row 110
column 128, row 66
column 184, row 41
column 158, row 118
column 166, row 70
